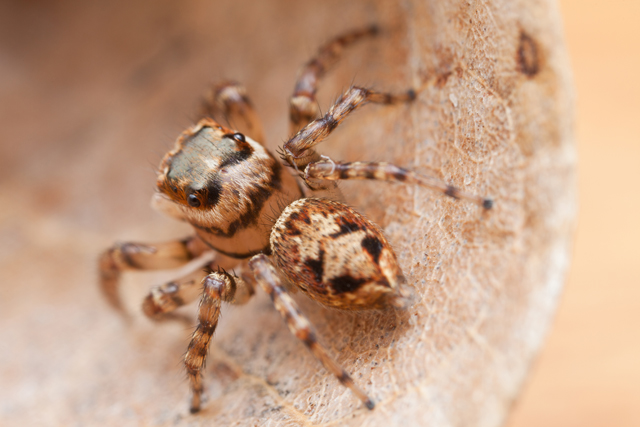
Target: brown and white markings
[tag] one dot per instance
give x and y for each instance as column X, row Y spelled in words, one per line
column 337, row 256
column 254, row 216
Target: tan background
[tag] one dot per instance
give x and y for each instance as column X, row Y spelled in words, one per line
column 589, row 372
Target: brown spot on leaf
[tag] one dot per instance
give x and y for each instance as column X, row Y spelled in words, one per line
column 442, row 78
column 528, row 56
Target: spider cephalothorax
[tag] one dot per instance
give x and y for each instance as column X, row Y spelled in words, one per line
column 227, row 186
column 245, row 207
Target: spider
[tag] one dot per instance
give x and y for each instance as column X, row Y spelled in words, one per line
column 228, row 186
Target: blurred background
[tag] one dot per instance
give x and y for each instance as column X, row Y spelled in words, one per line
column 588, row 373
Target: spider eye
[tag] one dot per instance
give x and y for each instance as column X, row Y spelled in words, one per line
column 236, row 137
column 193, row 201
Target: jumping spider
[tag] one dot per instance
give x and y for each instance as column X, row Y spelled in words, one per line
column 228, row 186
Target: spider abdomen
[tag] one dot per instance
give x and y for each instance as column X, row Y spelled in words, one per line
column 337, row 256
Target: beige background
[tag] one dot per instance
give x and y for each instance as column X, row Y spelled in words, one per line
column 587, row 375
column 589, row 371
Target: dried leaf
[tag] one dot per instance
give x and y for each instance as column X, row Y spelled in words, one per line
column 495, row 118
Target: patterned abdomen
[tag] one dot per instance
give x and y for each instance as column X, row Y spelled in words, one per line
column 337, row 256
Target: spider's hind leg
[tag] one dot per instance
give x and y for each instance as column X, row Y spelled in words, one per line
column 298, row 324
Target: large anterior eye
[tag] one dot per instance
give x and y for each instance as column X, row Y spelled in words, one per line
column 193, row 201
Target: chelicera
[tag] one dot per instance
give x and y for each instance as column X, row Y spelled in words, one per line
column 228, row 186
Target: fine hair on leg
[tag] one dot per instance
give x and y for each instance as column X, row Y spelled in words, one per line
column 299, row 325
column 217, row 287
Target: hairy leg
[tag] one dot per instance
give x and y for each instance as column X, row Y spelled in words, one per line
column 166, row 298
column 229, row 100
column 381, row 171
column 217, row 287
column 299, row 150
column 298, row 324
column 303, row 106
column 136, row 256
column 158, row 256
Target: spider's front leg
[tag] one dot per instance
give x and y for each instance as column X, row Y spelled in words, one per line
column 303, row 105
column 217, row 287
column 230, row 101
column 136, row 256
column 299, row 150
column 162, row 300
column 298, row 324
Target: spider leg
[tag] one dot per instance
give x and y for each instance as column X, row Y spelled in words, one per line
column 164, row 299
column 217, row 287
column 330, row 170
column 158, row 256
column 298, row 151
column 136, row 256
column 303, row 106
column 229, row 100
column 298, row 324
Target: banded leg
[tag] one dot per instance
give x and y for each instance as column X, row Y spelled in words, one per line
column 231, row 102
column 135, row 256
column 303, row 106
column 298, row 324
column 333, row 171
column 217, row 287
column 298, row 151
column 166, row 298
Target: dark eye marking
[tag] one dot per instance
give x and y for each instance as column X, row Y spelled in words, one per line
column 207, row 197
column 213, row 193
column 242, row 152
column 193, row 201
